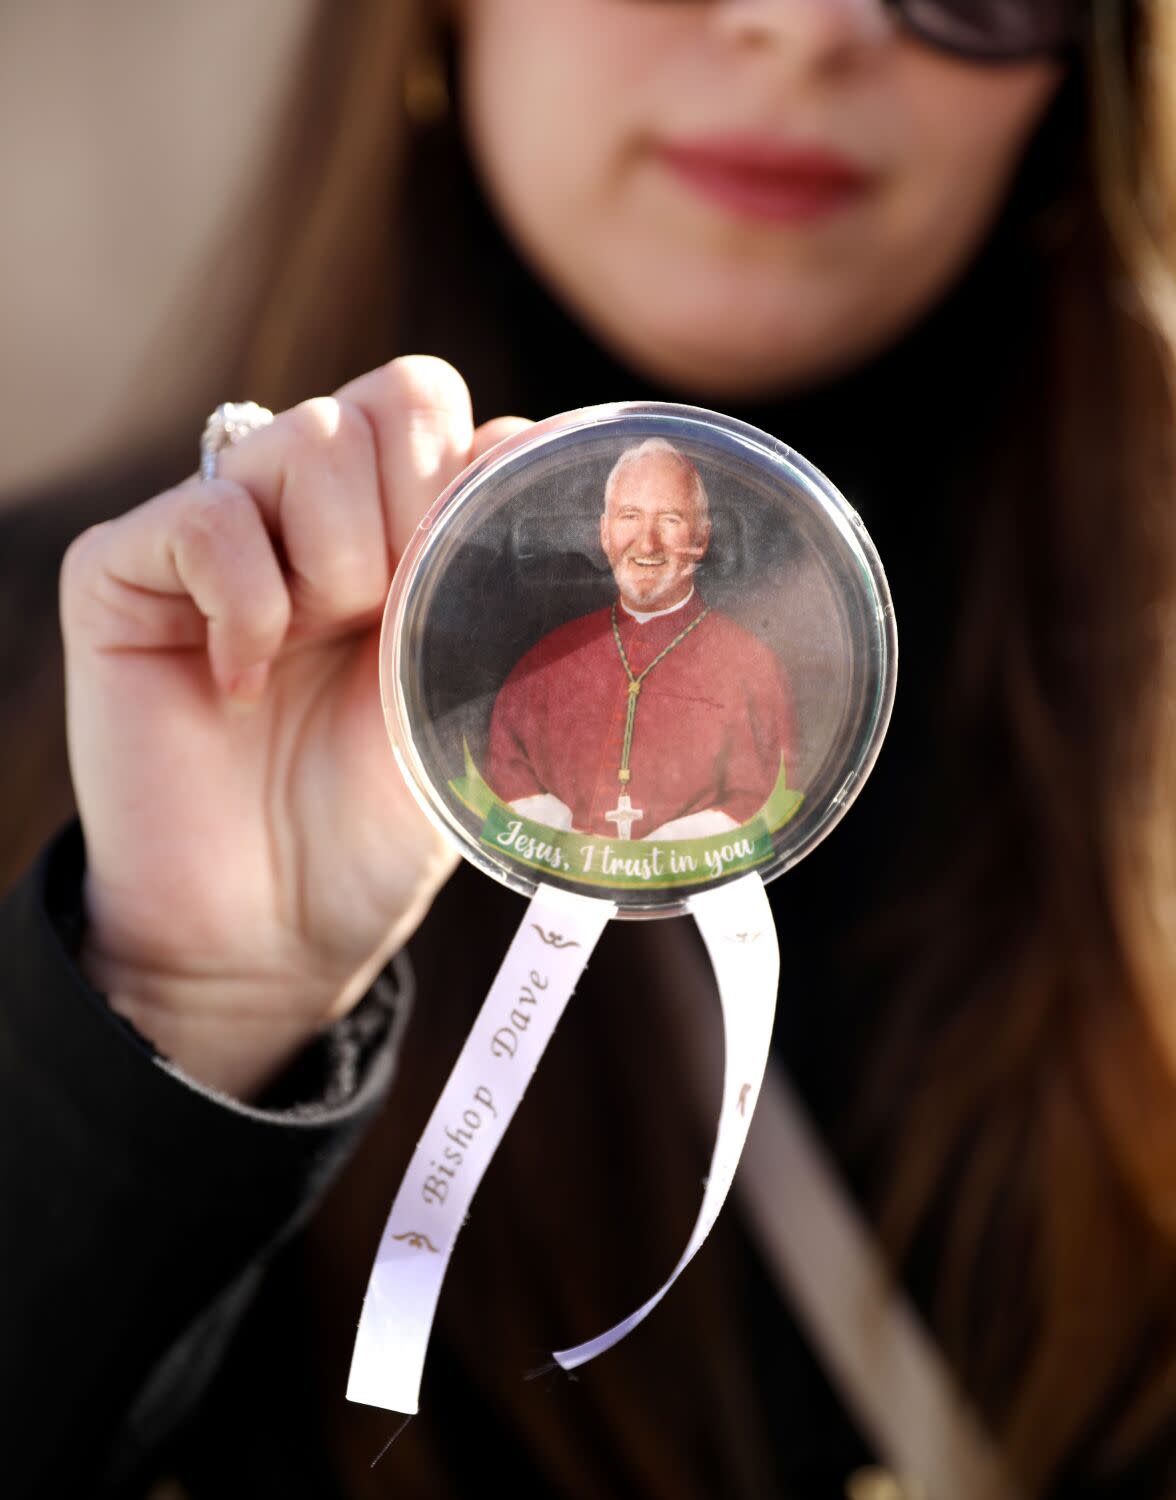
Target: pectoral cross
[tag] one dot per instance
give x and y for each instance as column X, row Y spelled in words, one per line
column 624, row 815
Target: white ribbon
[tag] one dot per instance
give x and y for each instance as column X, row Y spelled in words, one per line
column 526, row 1000
column 740, row 936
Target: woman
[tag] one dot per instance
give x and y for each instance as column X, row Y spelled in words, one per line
column 882, row 233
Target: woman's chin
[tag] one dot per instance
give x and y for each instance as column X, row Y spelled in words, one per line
column 724, row 360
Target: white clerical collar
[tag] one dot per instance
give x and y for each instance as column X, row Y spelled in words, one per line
column 656, row 614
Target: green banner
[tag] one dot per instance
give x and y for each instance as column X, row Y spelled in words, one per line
column 587, row 859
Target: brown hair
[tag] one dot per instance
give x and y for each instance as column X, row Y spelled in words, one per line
column 1035, row 1048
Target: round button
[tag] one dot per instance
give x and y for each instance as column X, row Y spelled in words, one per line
column 638, row 650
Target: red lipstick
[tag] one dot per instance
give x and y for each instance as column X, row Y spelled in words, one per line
column 757, row 179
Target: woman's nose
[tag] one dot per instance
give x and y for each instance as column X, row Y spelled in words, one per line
column 812, row 32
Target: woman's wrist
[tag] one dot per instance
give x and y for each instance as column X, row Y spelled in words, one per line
column 232, row 1047
column 232, row 1032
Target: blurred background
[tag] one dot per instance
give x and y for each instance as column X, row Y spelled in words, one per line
column 132, row 136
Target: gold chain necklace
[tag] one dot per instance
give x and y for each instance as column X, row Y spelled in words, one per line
column 637, row 678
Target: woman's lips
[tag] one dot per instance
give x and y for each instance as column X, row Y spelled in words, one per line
column 761, row 180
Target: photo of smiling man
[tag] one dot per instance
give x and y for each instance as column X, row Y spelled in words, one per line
column 658, row 717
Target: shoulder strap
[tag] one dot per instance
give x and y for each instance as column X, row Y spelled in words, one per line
column 826, row 1263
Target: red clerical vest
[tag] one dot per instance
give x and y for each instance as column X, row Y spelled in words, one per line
column 712, row 722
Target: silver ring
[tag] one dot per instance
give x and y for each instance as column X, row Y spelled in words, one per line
column 228, row 424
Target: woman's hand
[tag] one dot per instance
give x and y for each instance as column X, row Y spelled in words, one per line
column 253, row 854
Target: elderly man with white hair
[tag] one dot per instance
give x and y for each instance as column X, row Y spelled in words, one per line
column 659, row 716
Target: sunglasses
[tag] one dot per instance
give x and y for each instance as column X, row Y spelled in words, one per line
column 993, row 30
